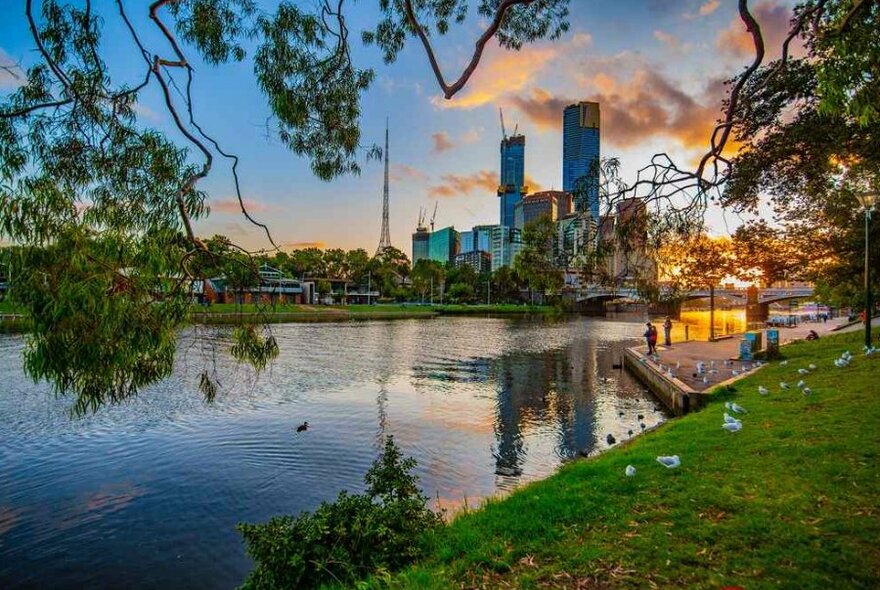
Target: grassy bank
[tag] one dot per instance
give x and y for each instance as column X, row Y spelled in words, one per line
column 790, row 501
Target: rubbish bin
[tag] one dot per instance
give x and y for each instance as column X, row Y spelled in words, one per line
column 751, row 344
column 772, row 343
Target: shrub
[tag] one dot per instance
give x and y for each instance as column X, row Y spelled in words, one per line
column 349, row 539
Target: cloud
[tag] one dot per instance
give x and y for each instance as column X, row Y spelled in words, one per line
column 442, row 142
column 305, row 245
column 455, row 185
column 645, row 106
column 500, row 72
column 399, row 172
column 667, row 39
column 581, row 39
column 232, row 206
column 472, row 135
column 11, row 74
column 709, row 7
column 774, row 19
column 534, row 185
column 145, row 112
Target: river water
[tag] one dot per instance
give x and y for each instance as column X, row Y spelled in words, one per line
column 147, row 494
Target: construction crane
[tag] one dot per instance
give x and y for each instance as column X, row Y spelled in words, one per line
column 421, row 222
column 503, row 130
column 434, row 215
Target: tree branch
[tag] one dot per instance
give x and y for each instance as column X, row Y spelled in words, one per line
column 450, row 90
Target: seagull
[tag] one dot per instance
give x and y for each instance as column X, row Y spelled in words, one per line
column 705, row 381
column 642, row 424
column 734, row 372
column 746, row 368
column 812, row 367
column 610, row 438
column 763, row 390
column 630, row 471
column 801, row 384
column 629, row 432
column 783, row 385
column 669, row 462
column 732, row 426
column 806, row 391
column 641, row 416
column 712, row 364
column 302, row 427
column 728, row 419
column 735, row 407
column 803, row 372
column 678, row 365
column 783, row 363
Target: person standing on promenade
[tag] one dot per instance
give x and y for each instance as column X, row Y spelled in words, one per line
column 651, row 338
column 667, row 332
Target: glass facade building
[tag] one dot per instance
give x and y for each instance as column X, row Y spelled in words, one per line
column 420, row 241
column 443, row 245
column 580, row 155
column 506, row 244
column 511, row 188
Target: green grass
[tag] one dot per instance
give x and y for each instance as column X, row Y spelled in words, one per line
column 790, row 501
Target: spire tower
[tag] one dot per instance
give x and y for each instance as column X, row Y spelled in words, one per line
column 385, row 239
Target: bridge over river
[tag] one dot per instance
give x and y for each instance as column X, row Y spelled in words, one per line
column 594, row 293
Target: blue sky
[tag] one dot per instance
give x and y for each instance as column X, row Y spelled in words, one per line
column 655, row 66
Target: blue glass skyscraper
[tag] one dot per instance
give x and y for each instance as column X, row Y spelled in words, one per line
column 513, row 164
column 580, row 155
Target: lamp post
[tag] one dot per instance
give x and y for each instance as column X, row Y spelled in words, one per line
column 867, row 201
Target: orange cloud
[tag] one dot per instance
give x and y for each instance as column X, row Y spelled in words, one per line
column 667, row 39
column 534, row 185
column 455, row 185
column 233, row 206
column 774, row 20
column 442, row 142
column 635, row 110
column 501, row 72
column 709, row 7
column 400, row 172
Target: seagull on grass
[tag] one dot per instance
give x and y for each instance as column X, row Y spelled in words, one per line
column 803, row 372
column 630, row 471
column 763, row 390
column 783, row 385
column 670, row 462
column 735, row 407
column 806, row 391
column 728, row 419
column 812, row 367
column 801, row 384
column 732, row 426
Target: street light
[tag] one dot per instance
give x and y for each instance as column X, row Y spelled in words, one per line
column 867, row 201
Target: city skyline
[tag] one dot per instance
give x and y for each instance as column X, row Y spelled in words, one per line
column 630, row 60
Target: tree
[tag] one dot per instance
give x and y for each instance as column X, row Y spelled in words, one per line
column 323, row 288
column 764, row 254
column 698, row 264
column 505, row 287
column 536, row 263
column 799, row 120
column 427, row 274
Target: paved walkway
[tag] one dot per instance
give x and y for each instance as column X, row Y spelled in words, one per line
column 683, row 358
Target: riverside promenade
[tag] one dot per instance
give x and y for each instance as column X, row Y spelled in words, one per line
column 682, row 390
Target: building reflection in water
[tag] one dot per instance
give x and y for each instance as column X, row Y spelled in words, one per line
column 569, row 397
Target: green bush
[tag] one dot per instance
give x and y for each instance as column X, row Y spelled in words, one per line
column 349, row 539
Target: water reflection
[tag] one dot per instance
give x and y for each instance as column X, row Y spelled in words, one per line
column 147, row 494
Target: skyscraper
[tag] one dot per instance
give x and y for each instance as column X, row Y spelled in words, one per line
column 580, row 155
column 511, row 187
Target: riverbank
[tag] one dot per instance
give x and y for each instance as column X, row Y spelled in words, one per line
column 233, row 314
column 788, row 501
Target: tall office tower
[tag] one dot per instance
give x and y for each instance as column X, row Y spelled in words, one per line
column 580, row 155
column 506, row 244
column 511, row 187
column 420, row 244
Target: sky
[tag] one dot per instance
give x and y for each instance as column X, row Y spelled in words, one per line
column 656, row 67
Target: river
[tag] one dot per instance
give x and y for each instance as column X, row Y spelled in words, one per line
column 147, row 494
